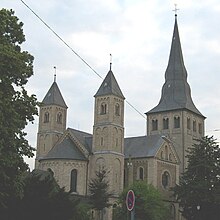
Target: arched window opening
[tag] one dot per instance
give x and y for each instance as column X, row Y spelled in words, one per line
column 165, row 179
column 73, row 180
column 117, row 109
column 166, row 152
column 200, row 128
column 59, row 118
column 154, row 124
column 46, row 117
column 103, row 109
column 51, row 171
column 188, row 123
column 194, row 125
column 116, row 142
column 162, row 155
column 170, row 157
column 176, row 122
column 173, row 212
column 141, row 173
column 166, row 123
column 102, row 141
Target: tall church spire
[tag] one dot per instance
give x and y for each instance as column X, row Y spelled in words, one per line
column 176, row 93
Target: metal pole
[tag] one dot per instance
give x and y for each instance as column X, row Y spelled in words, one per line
column 132, row 214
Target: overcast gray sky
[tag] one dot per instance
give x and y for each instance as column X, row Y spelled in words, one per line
column 138, row 34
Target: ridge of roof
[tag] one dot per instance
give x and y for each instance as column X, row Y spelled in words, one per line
column 84, row 138
column 54, row 96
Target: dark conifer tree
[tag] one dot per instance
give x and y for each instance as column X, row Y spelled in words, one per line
column 199, row 188
column 99, row 191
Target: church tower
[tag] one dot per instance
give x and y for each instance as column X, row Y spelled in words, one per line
column 108, row 132
column 52, row 121
column 176, row 116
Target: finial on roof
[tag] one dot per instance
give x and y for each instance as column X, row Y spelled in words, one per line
column 110, row 61
column 175, row 10
column 55, row 70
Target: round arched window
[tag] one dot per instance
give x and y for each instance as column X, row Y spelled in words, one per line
column 166, row 179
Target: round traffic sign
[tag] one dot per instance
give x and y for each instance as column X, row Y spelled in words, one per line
column 130, row 200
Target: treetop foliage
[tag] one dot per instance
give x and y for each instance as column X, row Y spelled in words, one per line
column 148, row 203
column 99, row 190
column 17, row 108
column 199, row 187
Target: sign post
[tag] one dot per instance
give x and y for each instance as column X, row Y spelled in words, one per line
column 130, row 201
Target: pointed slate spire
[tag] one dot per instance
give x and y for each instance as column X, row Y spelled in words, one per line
column 176, row 93
column 54, row 96
column 109, row 86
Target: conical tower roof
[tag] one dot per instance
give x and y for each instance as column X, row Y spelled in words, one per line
column 54, row 96
column 176, row 93
column 109, row 86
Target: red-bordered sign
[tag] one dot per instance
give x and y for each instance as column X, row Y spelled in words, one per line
column 130, row 200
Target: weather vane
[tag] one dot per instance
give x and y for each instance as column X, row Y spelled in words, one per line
column 176, row 9
column 55, row 70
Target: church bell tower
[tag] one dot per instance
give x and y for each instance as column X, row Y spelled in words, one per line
column 176, row 116
column 52, row 121
column 108, row 132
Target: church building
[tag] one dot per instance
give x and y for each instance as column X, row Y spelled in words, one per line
column 157, row 158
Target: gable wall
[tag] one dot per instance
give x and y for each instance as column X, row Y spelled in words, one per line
column 62, row 173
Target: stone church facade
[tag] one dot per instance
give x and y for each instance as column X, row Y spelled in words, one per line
column 157, row 158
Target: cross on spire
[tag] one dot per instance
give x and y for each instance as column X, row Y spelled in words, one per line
column 176, row 9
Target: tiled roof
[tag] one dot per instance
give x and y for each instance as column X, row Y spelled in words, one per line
column 67, row 149
column 143, row 146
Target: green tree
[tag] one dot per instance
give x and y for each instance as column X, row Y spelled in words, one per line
column 17, row 108
column 44, row 199
column 99, row 191
column 149, row 203
column 82, row 210
column 199, row 190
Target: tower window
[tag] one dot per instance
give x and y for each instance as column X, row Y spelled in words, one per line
column 162, row 155
column 102, row 141
column 165, row 179
column 103, row 109
column 166, row 152
column 173, row 211
column 117, row 109
column 176, row 122
column 59, row 118
column 188, row 123
column 154, row 124
column 194, row 125
column 73, row 180
column 165, row 123
column 170, row 157
column 116, row 142
column 46, row 117
column 200, row 128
